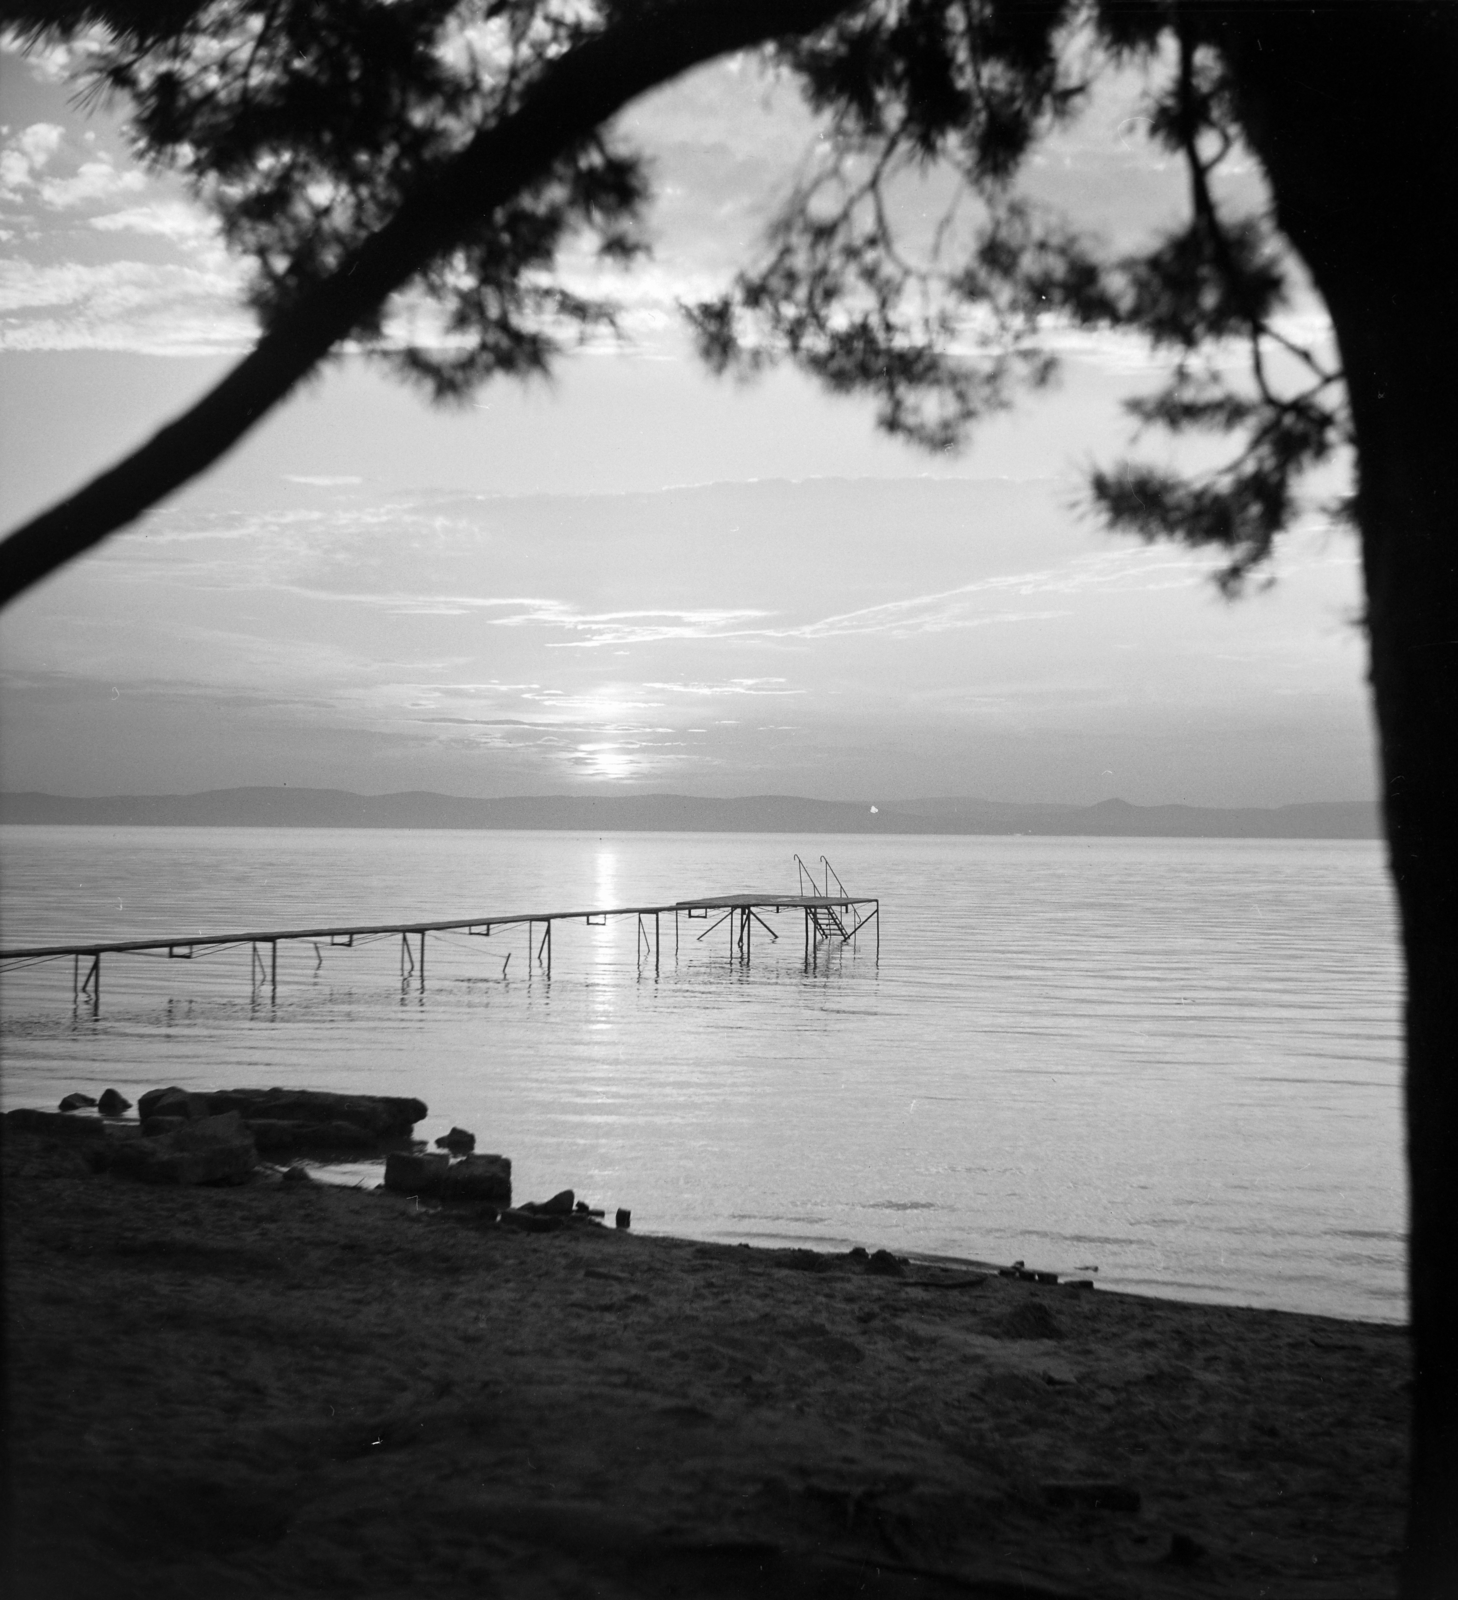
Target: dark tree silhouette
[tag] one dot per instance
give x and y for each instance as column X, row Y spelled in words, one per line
column 358, row 149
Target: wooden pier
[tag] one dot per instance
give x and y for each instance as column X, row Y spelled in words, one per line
column 828, row 917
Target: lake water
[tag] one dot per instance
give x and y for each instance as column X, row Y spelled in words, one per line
column 1174, row 1060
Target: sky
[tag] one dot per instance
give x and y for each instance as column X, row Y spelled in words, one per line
column 636, row 576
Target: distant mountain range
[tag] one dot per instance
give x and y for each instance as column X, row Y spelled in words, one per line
column 338, row 808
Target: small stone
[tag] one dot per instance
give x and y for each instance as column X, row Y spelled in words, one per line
column 112, row 1104
column 859, row 1252
column 884, row 1265
column 77, row 1102
column 459, row 1141
column 624, row 1218
column 560, row 1205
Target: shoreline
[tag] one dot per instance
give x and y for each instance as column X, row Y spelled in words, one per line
column 279, row 1390
column 364, row 1173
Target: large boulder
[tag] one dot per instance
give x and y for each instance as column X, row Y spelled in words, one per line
column 175, row 1102
column 277, row 1134
column 216, row 1149
column 285, row 1120
column 411, row 1172
column 112, row 1104
column 77, row 1102
column 381, row 1116
column 478, row 1178
column 155, row 1127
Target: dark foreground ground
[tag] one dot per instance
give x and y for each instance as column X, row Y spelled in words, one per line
column 289, row 1391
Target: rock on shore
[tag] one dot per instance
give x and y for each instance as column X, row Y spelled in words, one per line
column 283, row 1120
column 483, row 1177
column 210, row 1150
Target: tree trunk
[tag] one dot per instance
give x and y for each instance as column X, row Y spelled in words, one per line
column 1350, row 113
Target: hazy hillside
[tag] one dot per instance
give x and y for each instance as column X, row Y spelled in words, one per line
column 337, row 808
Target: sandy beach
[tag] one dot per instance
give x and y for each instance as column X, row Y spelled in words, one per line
column 279, row 1390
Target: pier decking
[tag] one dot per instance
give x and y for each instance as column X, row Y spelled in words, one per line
column 827, row 917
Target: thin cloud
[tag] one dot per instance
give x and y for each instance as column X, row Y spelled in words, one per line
column 145, row 307
column 632, row 627
column 164, row 219
column 25, row 154
column 92, row 181
column 733, row 686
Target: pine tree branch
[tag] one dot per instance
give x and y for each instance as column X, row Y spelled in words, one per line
column 573, row 97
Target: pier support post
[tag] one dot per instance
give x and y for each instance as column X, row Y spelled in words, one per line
column 657, row 944
column 92, row 985
column 273, row 973
column 422, row 958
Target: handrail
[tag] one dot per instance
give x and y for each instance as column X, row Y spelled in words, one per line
column 830, row 873
column 851, row 906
